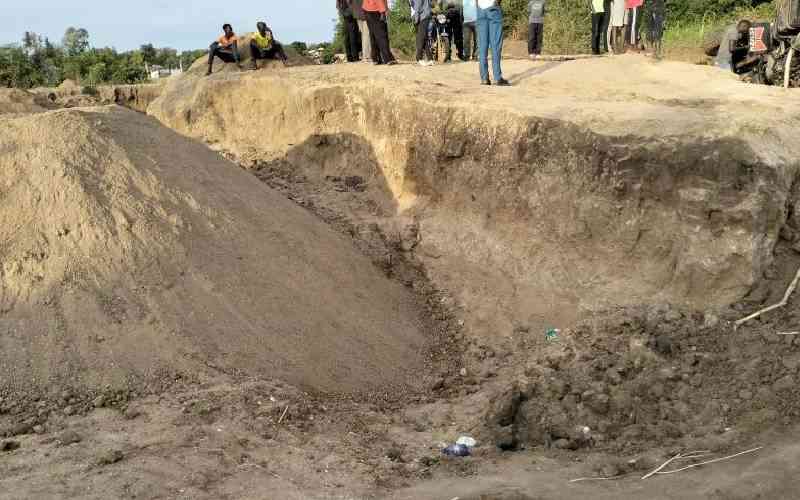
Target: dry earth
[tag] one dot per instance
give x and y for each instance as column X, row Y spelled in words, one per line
column 172, row 328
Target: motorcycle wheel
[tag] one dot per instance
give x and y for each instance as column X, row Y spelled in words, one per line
column 441, row 53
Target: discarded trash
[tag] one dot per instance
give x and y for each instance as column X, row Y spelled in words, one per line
column 467, row 441
column 457, row 450
column 551, row 335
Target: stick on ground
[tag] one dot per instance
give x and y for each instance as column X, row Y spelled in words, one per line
column 597, row 478
column 780, row 304
column 283, row 414
column 710, row 461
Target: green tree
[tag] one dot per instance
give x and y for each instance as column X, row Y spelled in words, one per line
column 148, row 53
column 75, row 41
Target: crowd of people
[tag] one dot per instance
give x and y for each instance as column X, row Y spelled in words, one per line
column 475, row 27
column 617, row 25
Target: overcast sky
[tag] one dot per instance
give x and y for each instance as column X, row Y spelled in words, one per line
column 182, row 24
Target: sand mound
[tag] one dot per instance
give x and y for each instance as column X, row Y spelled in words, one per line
column 131, row 253
column 16, row 101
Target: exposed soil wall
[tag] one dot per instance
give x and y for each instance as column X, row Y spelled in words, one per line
column 542, row 215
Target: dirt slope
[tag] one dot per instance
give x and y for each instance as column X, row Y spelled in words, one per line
column 132, row 254
column 587, row 185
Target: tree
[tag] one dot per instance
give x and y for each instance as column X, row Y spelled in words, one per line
column 75, row 41
column 148, row 53
column 300, row 47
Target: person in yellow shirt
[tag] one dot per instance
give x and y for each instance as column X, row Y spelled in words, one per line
column 226, row 48
column 264, row 46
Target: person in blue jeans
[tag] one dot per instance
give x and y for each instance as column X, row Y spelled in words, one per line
column 490, row 34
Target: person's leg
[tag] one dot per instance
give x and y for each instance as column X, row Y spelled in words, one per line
column 458, row 37
column 281, row 54
column 597, row 24
column 212, row 51
column 483, row 44
column 496, row 41
column 382, row 37
column 422, row 34
column 539, row 38
column 468, row 41
column 348, row 38
column 531, row 39
column 473, row 28
column 373, row 19
column 254, row 53
column 604, row 28
column 366, row 42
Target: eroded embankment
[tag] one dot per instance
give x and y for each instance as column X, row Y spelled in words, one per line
column 541, row 218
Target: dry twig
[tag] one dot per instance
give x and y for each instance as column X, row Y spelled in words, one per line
column 597, row 478
column 283, row 414
column 679, row 456
column 780, row 304
column 788, row 333
column 710, row 461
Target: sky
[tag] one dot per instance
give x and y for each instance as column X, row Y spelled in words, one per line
column 181, row 24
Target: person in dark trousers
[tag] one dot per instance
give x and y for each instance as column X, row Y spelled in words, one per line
column 469, row 12
column 226, row 48
column 598, row 15
column 606, row 27
column 375, row 12
column 490, row 34
column 535, row 26
column 657, row 18
column 456, row 19
column 421, row 17
column 351, row 34
column 264, row 46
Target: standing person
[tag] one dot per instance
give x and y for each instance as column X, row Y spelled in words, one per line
column 350, row 29
column 375, row 12
column 598, row 13
column 421, row 16
column 361, row 19
column 535, row 27
column 469, row 10
column 634, row 23
column 655, row 26
column 226, row 48
column 264, row 46
column 606, row 27
column 618, row 15
column 490, row 34
column 456, row 18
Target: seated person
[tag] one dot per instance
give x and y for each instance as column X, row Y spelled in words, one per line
column 264, row 46
column 226, row 48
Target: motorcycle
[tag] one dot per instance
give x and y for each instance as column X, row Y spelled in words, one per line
column 439, row 36
column 772, row 56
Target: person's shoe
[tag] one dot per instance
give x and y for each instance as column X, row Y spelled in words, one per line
column 422, row 62
column 486, row 82
column 253, row 65
column 377, row 63
column 208, row 73
column 503, row 83
column 391, row 63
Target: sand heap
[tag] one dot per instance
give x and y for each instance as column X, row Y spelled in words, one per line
column 16, row 101
column 130, row 253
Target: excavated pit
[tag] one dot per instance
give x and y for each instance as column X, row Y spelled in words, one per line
column 537, row 206
column 631, row 221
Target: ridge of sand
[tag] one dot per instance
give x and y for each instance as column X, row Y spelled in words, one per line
column 130, row 252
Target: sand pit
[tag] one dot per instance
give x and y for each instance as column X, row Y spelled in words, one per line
column 133, row 255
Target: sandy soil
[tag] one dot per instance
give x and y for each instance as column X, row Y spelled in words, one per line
column 311, row 235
